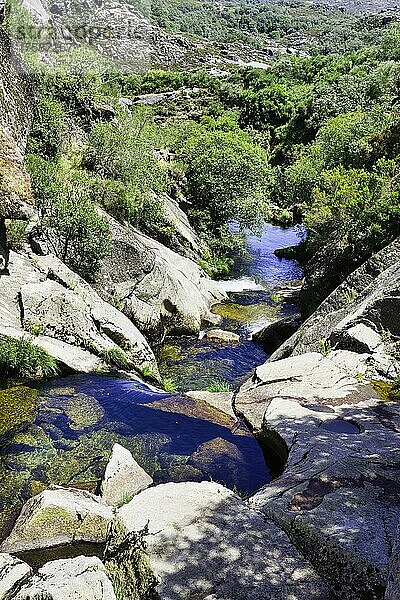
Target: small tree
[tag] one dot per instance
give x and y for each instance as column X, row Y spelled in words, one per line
column 77, row 234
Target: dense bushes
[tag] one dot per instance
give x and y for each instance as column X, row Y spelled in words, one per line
column 48, row 128
column 227, row 176
column 319, row 132
column 76, row 233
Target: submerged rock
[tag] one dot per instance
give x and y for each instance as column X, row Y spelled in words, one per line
column 220, row 400
column 18, row 408
column 203, row 542
column 179, row 474
column 219, row 335
column 81, row 577
column 13, row 573
column 123, row 477
column 221, row 459
column 59, row 516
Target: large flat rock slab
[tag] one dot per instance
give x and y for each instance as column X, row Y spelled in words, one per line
column 339, row 495
column 204, row 542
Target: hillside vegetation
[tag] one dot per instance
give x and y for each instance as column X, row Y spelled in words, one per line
column 316, row 133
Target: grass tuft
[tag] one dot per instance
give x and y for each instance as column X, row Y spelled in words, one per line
column 21, row 358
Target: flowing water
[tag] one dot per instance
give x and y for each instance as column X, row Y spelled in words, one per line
column 255, row 300
column 65, row 429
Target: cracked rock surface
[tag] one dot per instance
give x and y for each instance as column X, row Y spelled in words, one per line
column 339, row 496
column 158, row 289
column 82, row 578
column 360, row 315
column 73, row 323
column 13, row 573
column 205, row 543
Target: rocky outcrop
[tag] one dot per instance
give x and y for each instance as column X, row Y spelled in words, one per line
column 123, row 478
column 17, row 101
column 360, row 315
column 159, row 290
column 338, row 497
column 115, row 28
column 81, row 577
column 204, row 542
column 59, row 516
column 65, row 316
column 187, row 242
column 13, row 573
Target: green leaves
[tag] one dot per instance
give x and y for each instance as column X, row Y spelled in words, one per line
column 75, row 231
column 228, row 177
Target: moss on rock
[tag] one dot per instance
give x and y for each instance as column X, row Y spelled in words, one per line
column 18, row 407
column 127, row 564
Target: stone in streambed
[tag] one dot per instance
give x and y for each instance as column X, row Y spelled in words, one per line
column 123, row 477
column 13, row 573
column 275, row 334
column 179, row 474
column 219, row 335
column 59, row 516
column 221, row 460
column 220, row 400
column 82, row 578
column 204, row 542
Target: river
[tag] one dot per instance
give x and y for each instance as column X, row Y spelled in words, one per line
column 77, row 419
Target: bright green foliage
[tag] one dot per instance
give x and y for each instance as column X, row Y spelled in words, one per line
column 21, row 358
column 16, row 234
column 169, row 385
column 48, row 128
column 359, row 206
column 125, row 151
column 219, row 386
column 228, row 177
column 76, row 233
column 115, row 357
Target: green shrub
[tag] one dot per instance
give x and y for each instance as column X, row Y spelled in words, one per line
column 228, row 177
column 169, row 385
column 48, row 129
column 21, row 358
column 16, row 234
column 76, row 233
column 219, row 386
column 124, row 151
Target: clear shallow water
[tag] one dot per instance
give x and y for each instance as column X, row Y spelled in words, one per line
column 340, row 426
column 79, row 418
column 262, row 265
column 68, row 438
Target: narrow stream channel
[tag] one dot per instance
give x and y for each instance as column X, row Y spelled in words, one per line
column 68, row 438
